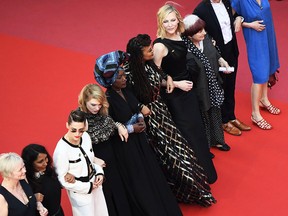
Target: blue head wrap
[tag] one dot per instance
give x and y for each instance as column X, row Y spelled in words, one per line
column 107, row 67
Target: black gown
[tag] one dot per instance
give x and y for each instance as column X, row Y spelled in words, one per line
column 100, row 129
column 184, row 106
column 148, row 191
column 15, row 206
column 176, row 158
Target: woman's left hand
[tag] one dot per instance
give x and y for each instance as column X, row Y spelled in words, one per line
column 258, row 25
column 99, row 162
column 184, row 85
column 98, row 181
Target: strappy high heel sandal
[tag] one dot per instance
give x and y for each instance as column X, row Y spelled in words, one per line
column 270, row 108
column 262, row 124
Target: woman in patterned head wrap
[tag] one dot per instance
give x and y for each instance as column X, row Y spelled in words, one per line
column 145, row 184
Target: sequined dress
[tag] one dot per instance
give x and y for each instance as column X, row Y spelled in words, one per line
column 182, row 171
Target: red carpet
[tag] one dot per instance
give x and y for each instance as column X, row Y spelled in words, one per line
column 47, row 54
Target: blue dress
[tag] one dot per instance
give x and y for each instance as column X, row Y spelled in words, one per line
column 261, row 46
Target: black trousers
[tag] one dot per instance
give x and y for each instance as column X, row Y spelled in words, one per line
column 229, row 82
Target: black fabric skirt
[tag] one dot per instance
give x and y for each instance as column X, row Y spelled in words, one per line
column 113, row 187
column 147, row 188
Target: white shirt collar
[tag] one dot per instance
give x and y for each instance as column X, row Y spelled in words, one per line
column 215, row 2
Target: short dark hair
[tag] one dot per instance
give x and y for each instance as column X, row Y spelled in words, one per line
column 76, row 116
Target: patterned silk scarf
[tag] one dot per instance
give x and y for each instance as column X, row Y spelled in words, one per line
column 216, row 93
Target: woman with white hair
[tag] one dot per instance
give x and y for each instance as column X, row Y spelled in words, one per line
column 203, row 61
column 16, row 196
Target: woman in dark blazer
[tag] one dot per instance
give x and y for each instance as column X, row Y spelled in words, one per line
column 203, row 62
column 221, row 25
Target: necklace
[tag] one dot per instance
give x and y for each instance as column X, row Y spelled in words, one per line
column 37, row 175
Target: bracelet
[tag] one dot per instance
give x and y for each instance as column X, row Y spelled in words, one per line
column 118, row 124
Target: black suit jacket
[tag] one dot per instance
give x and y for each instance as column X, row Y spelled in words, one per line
column 205, row 11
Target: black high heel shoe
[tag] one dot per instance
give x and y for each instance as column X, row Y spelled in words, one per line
column 222, row 147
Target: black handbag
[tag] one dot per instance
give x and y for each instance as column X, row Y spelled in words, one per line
column 273, row 78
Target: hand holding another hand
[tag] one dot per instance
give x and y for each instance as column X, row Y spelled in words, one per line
column 98, row 181
column 170, row 85
column 69, row 178
column 140, row 126
column 184, row 85
column 258, row 25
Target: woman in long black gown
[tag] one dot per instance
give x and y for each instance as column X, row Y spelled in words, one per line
column 176, row 158
column 170, row 55
column 101, row 128
column 146, row 186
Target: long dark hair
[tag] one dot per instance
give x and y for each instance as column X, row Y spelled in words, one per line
column 142, row 88
column 30, row 154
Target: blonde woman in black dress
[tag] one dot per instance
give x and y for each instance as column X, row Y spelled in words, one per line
column 170, row 55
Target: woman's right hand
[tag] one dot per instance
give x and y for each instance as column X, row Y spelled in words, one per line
column 98, row 181
column 184, row 85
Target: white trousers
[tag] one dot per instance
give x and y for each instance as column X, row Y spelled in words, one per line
column 97, row 206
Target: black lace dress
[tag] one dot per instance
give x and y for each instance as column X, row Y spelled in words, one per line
column 176, row 158
column 100, row 129
column 184, row 106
